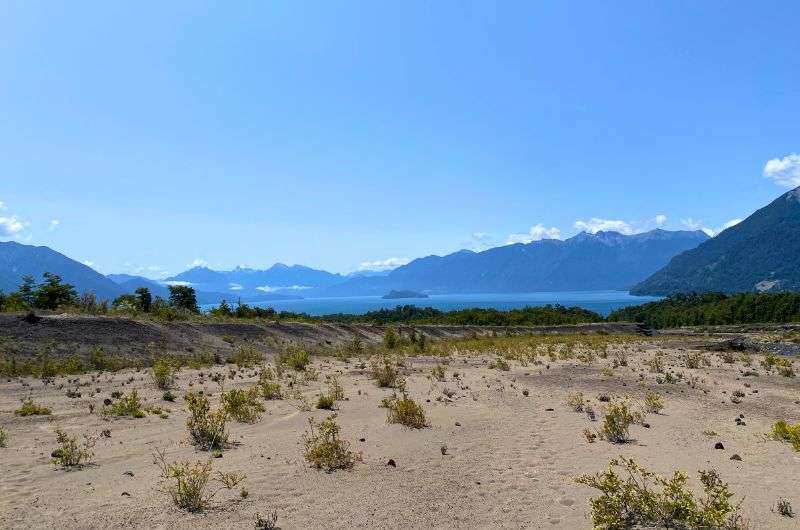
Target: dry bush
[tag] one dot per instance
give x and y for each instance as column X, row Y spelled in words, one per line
column 206, row 427
column 164, row 374
column 500, row 364
column 636, row 498
column 407, row 412
column 438, row 372
column 385, row 372
column 128, row 406
column 335, row 389
column 3, row 437
column 788, row 433
column 653, row 402
column 188, row 483
column 242, row 405
column 30, row 408
column 323, row 447
column 618, row 419
column 576, row 401
column 70, row 452
column 296, row 360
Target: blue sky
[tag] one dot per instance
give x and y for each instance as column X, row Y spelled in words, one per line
column 144, row 137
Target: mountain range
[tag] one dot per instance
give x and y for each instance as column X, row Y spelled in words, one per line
column 762, row 253
column 601, row 261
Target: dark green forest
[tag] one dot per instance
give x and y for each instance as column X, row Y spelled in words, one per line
column 713, row 309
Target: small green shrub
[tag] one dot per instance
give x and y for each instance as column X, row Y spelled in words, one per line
column 694, row 360
column 385, row 372
column 629, row 500
column 246, row 357
column 188, row 483
column 500, row 364
column 576, row 401
column 3, row 437
column 206, row 427
column 784, row 507
column 788, row 433
column 619, row 417
column 71, row 453
column 390, row 339
column 438, row 372
column 242, row 405
column 323, row 447
column 129, row 406
column 653, row 402
column 164, row 374
column 335, row 389
column 325, row 402
column 268, row 522
column 296, row 360
column 407, row 412
column 270, row 390
column 29, row 408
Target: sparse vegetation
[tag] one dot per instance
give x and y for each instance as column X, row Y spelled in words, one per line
column 634, row 497
column 129, row 406
column 784, row 508
column 407, row 412
column 296, row 360
column 788, row 433
column 188, row 483
column 576, row 401
column 30, row 408
column 3, row 437
column 242, row 405
column 618, row 419
column 324, row 449
column 500, row 364
column 206, row 427
column 385, row 372
column 164, row 374
column 70, row 452
column 653, row 402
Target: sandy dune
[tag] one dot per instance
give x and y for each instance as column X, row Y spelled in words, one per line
column 510, row 461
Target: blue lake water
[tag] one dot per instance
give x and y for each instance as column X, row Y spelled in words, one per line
column 602, row 302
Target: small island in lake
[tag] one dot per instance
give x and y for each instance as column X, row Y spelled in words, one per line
column 403, row 294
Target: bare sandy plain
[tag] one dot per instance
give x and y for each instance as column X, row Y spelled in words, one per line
column 502, row 450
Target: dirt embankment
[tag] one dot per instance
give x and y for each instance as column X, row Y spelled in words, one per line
column 68, row 334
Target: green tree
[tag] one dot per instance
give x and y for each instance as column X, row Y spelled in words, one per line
column 126, row 302
column 27, row 290
column 145, row 299
column 183, row 297
column 52, row 293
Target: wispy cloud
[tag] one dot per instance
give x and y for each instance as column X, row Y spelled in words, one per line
column 784, row 171
column 54, row 224
column 234, row 286
column 176, row 282
column 596, row 224
column 10, row 226
column 660, row 220
column 88, row 263
column 537, row 232
column 198, row 262
column 272, row 289
column 693, row 224
column 383, row 265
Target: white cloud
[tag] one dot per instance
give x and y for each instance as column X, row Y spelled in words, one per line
column 693, row 224
column 10, row 226
column 270, row 289
column 234, row 286
column 175, row 282
column 383, row 265
column 660, row 219
column 88, row 263
column 54, row 224
column 536, row 233
column 3, row 206
column 198, row 262
column 596, row 224
column 784, row 171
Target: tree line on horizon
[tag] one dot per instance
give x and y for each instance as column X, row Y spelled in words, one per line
column 696, row 309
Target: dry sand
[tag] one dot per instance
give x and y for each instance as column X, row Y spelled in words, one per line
column 511, row 462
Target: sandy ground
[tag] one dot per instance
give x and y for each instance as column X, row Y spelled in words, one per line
column 511, row 459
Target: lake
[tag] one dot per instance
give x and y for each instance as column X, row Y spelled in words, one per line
column 602, row 302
